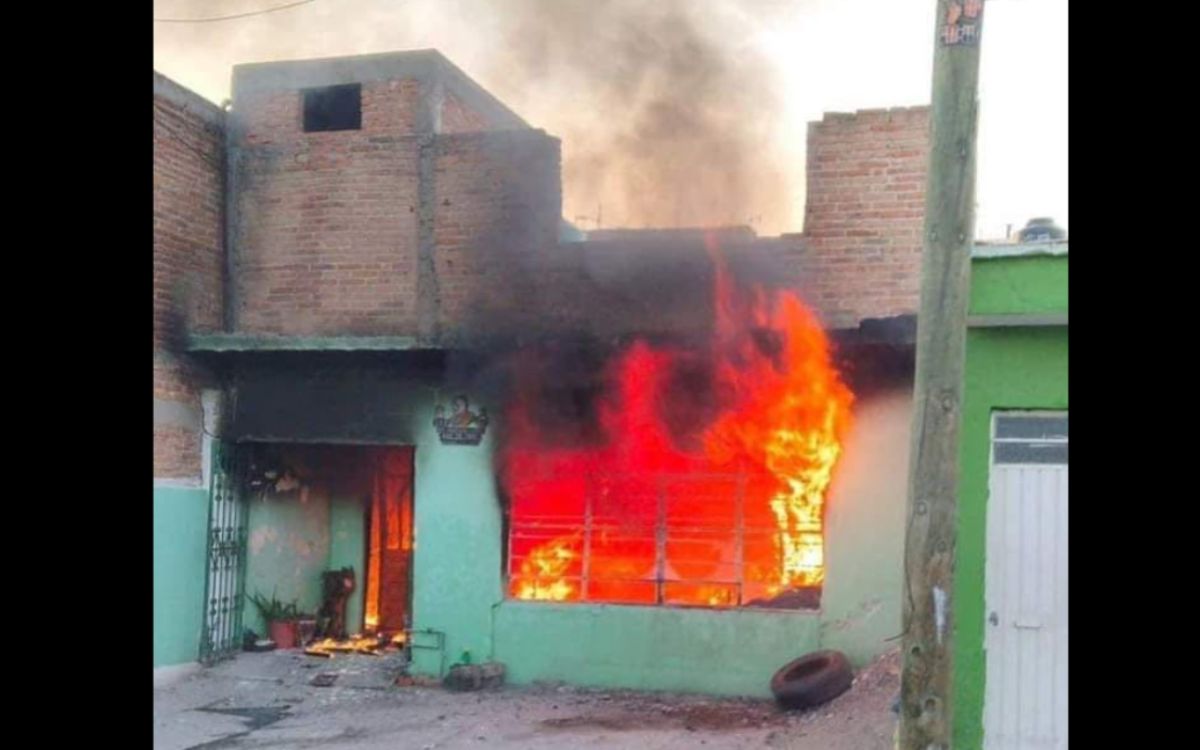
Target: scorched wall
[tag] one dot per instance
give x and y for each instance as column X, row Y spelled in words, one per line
column 389, row 228
column 188, row 295
column 435, row 220
column 459, row 585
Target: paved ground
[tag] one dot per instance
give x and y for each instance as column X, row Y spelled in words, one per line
column 268, row 701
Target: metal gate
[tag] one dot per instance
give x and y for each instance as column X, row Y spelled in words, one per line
column 221, row 634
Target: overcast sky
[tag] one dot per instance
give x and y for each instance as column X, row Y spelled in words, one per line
column 818, row 56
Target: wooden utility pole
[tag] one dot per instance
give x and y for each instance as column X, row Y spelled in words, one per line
column 925, row 693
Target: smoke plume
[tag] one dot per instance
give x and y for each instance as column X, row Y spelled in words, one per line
column 668, row 111
column 667, row 117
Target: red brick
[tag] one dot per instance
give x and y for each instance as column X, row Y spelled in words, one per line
column 866, row 213
column 188, row 259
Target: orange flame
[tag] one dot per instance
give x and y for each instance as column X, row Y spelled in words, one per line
column 542, row 573
column 735, row 517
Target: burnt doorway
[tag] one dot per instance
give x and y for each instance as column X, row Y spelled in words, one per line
column 388, row 596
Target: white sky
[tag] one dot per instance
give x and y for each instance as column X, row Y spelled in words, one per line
column 832, row 56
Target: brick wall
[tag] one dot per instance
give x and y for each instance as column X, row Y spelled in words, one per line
column 458, row 117
column 429, row 221
column 497, row 203
column 389, row 108
column 864, row 213
column 188, row 266
column 178, row 416
column 326, row 222
column 385, row 230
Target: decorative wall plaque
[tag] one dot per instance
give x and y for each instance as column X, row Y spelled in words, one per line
column 461, row 426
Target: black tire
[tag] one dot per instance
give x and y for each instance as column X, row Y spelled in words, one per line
column 812, row 680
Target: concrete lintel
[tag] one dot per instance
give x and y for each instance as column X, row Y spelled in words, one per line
column 1023, row 249
column 1034, row 320
column 237, row 342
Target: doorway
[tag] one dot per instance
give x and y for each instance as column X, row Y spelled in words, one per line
column 1025, row 693
column 319, row 516
column 389, row 523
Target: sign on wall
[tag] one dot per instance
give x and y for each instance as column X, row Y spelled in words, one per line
column 461, row 426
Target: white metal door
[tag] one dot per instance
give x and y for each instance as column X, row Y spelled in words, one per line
column 1025, row 698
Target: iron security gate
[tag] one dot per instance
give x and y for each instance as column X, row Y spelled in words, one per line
column 222, row 629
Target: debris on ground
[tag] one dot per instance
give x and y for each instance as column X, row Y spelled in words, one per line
column 251, row 641
column 407, row 680
column 375, row 706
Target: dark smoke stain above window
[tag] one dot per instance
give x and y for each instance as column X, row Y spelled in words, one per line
column 333, row 108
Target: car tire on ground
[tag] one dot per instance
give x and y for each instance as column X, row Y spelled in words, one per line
column 812, row 680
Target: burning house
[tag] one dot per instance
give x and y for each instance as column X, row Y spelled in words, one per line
column 668, row 459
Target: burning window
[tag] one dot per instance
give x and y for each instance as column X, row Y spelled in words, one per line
column 667, row 539
column 333, row 108
column 729, row 514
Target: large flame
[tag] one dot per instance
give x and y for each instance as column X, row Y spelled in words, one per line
column 734, row 517
column 543, row 571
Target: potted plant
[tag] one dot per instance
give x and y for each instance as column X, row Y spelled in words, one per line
column 281, row 619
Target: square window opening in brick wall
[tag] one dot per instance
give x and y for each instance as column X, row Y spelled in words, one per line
column 333, row 108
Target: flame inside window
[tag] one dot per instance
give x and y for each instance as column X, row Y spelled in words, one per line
column 733, row 517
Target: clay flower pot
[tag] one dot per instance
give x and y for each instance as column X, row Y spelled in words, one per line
column 284, row 633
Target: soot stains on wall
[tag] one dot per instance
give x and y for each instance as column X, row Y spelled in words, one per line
column 339, row 398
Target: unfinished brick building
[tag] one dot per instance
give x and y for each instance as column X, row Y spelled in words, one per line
column 348, row 262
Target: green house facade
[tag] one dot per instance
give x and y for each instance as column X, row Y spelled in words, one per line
column 1010, row 580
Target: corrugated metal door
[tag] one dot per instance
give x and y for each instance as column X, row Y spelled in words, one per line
column 1025, row 698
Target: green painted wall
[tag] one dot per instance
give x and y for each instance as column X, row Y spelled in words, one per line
column 293, row 538
column 457, row 546
column 347, row 548
column 288, row 548
column 459, row 584
column 1023, row 284
column 731, row 652
column 1006, row 368
column 180, row 521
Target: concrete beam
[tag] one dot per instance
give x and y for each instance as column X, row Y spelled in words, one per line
column 237, row 342
column 1009, row 250
column 423, row 65
column 1036, row 320
column 188, row 100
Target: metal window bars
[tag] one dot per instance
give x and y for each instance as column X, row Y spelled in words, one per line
column 647, row 542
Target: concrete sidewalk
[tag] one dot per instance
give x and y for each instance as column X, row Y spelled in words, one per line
column 267, row 700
